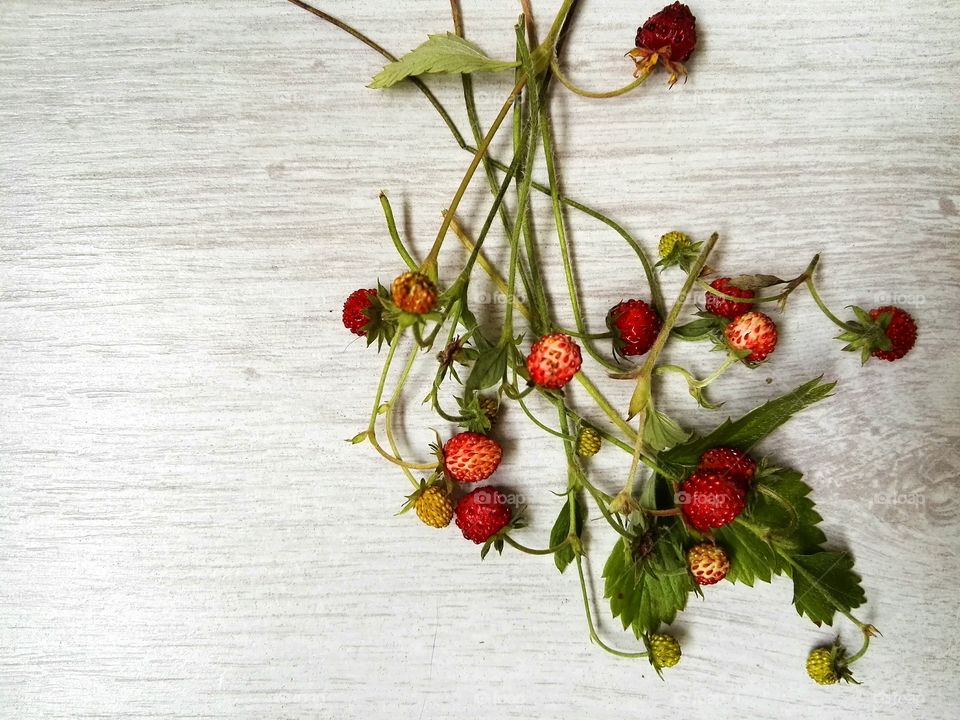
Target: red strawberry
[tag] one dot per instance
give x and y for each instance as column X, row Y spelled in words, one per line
column 671, row 32
column 353, row 316
column 708, row 563
column 708, row 500
column 471, row 457
column 728, row 308
column 414, row 292
column 553, row 361
column 752, row 331
column 901, row 330
column 482, row 513
column 635, row 327
column 731, row 464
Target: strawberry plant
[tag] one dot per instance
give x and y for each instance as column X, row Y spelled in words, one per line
column 693, row 509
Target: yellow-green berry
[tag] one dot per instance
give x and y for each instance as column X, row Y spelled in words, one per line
column 588, row 442
column 669, row 241
column 821, row 667
column 434, row 507
column 664, row 651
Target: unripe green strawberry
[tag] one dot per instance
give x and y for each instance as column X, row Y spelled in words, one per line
column 434, row 507
column 670, row 240
column 821, row 668
column 414, row 292
column 664, row 651
column 588, row 442
column 490, row 407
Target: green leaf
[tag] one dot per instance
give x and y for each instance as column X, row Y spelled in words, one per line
column 488, row 370
column 824, row 583
column 446, row 53
column 561, row 529
column 753, row 427
column 700, row 329
column 647, row 581
column 752, row 557
column 660, row 432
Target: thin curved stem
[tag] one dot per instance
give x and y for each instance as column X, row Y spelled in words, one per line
column 823, row 307
column 593, row 631
column 530, row 551
column 394, row 234
column 572, row 87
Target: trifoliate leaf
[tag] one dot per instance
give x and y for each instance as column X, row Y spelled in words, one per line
column 824, row 583
column 561, row 529
column 647, row 580
column 753, row 427
column 446, row 53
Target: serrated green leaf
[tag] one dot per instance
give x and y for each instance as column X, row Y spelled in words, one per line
column 824, row 583
column 645, row 592
column 561, row 529
column 447, row 53
column 660, row 432
column 488, row 370
column 752, row 557
column 753, row 427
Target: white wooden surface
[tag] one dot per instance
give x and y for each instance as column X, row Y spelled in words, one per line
column 187, row 193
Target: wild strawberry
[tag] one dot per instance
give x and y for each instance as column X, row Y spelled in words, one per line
column 670, row 241
column 553, row 361
column 664, row 651
column 471, row 457
column 709, row 500
column 752, row 331
column 669, row 36
column 482, row 513
column 901, row 330
column 708, row 563
column 414, row 292
column 434, row 506
column 728, row 308
column 820, row 667
column 731, row 464
column 490, row 407
column 588, row 441
column 635, row 326
column 354, row 317
column 886, row 332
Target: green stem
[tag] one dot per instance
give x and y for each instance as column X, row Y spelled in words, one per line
column 530, row 551
column 394, row 235
column 826, row 311
column 593, row 632
column 571, row 86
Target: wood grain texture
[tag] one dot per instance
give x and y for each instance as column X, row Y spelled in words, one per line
column 187, row 193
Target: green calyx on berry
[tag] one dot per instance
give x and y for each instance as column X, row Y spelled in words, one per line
column 663, row 651
column 827, row 665
column 676, row 249
column 887, row 333
column 433, row 502
column 366, row 313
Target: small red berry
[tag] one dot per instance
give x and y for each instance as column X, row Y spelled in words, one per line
column 471, row 457
column 752, row 331
column 482, row 513
column 902, row 332
column 635, row 327
column 673, row 30
column 414, row 292
column 731, row 464
column 553, row 361
column 728, row 308
column 354, row 317
column 709, row 500
column 708, row 563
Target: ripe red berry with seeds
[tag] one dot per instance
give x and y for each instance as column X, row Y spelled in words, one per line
column 482, row 513
column 731, row 464
column 635, row 326
column 708, row 500
column 471, row 457
column 728, row 308
column 901, row 332
column 553, row 361
column 354, row 317
column 755, row 332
